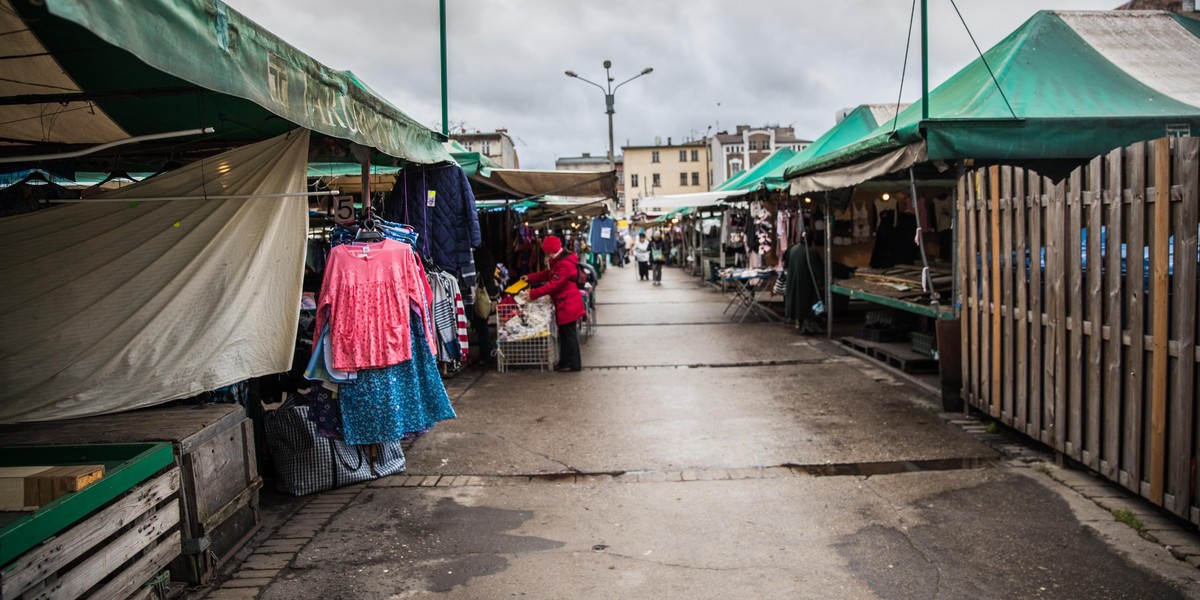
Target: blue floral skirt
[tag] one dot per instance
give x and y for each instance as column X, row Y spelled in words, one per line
column 384, row 404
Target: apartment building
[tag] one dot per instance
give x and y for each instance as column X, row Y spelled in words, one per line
column 747, row 146
column 497, row 146
column 662, row 169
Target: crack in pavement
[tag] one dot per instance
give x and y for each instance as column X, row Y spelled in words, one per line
column 903, row 531
column 689, row 567
column 717, row 365
column 569, row 468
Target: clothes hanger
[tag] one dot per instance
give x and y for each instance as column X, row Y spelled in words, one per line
column 34, row 176
column 118, row 174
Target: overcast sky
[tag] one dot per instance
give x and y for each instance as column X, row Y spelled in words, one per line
column 716, row 64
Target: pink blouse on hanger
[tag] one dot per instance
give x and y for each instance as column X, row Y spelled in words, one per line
column 368, row 295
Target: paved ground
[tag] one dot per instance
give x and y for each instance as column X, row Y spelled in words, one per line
column 695, row 458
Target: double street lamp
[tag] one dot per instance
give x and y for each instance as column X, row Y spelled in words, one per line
column 609, row 100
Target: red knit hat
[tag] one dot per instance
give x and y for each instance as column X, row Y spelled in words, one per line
column 551, row 245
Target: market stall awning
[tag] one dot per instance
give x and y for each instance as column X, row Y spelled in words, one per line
column 767, row 174
column 83, row 72
column 524, row 183
column 655, row 205
column 1078, row 83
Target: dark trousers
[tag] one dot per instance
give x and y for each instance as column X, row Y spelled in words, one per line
column 643, row 270
column 656, row 268
column 568, row 347
column 483, row 336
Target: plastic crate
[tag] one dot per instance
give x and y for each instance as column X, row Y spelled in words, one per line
column 532, row 346
column 876, row 334
column 924, row 343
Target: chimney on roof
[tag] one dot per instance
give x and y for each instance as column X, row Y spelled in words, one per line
column 668, row 141
column 587, row 154
column 502, row 131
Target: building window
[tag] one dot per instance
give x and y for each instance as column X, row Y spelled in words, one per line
column 633, row 180
column 695, row 179
column 735, row 167
column 468, row 146
column 683, row 156
column 753, row 145
column 695, row 156
column 654, row 156
column 485, row 147
column 683, row 179
column 655, row 180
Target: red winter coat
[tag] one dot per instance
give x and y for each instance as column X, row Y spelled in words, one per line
column 561, row 287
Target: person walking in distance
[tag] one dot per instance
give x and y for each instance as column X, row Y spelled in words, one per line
column 560, row 285
column 658, row 255
column 641, row 253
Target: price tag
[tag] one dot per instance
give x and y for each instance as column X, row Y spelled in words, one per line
column 431, row 198
column 343, row 210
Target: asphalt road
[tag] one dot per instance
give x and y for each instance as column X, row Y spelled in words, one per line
column 688, row 461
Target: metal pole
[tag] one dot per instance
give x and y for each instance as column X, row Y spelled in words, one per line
column 828, row 267
column 924, row 60
column 445, row 92
column 366, row 189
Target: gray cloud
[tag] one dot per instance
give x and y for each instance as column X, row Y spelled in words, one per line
column 766, row 61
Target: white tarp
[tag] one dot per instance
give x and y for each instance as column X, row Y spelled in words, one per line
column 661, row 204
column 113, row 306
column 854, row 174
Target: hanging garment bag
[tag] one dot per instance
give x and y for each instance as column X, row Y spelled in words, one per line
column 306, row 463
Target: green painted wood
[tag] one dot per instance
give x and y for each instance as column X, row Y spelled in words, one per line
column 131, row 464
column 943, row 313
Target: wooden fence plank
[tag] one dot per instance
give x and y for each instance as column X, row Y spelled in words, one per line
column 985, row 295
column 1037, row 395
column 1074, row 272
column 994, row 250
column 1021, row 416
column 1160, row 323
column 1008, row 383
column 1131, row 457
column 964, row 282
column 1186, row 216
column 1114, row 353
column 1091, row 366
column 1056, row 274
column 972, row 291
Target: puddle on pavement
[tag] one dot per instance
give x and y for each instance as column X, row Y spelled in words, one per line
column 892, row 467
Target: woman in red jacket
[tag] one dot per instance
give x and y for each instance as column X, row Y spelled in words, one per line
column 560, row 284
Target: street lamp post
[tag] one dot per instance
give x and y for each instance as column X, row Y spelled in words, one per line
column 610, row 93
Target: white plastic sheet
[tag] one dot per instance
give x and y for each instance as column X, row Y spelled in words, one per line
column 113, row 306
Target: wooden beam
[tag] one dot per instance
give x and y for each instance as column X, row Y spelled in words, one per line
column 1110, row 460
column 994, row 250
column 1135, row 235
column 1186, row 216
column 1160, row 319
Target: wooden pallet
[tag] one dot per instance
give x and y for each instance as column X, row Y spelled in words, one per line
column 897, row 355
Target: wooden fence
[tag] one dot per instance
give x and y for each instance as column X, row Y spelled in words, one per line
column 1080, row 315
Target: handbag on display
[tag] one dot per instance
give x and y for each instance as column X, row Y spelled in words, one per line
column 306, row 463
column 483, row 302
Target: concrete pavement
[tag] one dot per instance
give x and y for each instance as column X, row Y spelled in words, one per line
column 695, row 458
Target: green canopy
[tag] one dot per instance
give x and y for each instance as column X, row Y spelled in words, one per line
column 767, row 174
column 856, row 125
column 1079, row 84
column 85, row 72
column 733, row 182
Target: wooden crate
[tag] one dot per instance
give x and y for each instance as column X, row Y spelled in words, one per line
column 111, row 554
column 214, row 445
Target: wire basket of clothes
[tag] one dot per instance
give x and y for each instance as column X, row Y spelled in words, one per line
column 526, row 335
